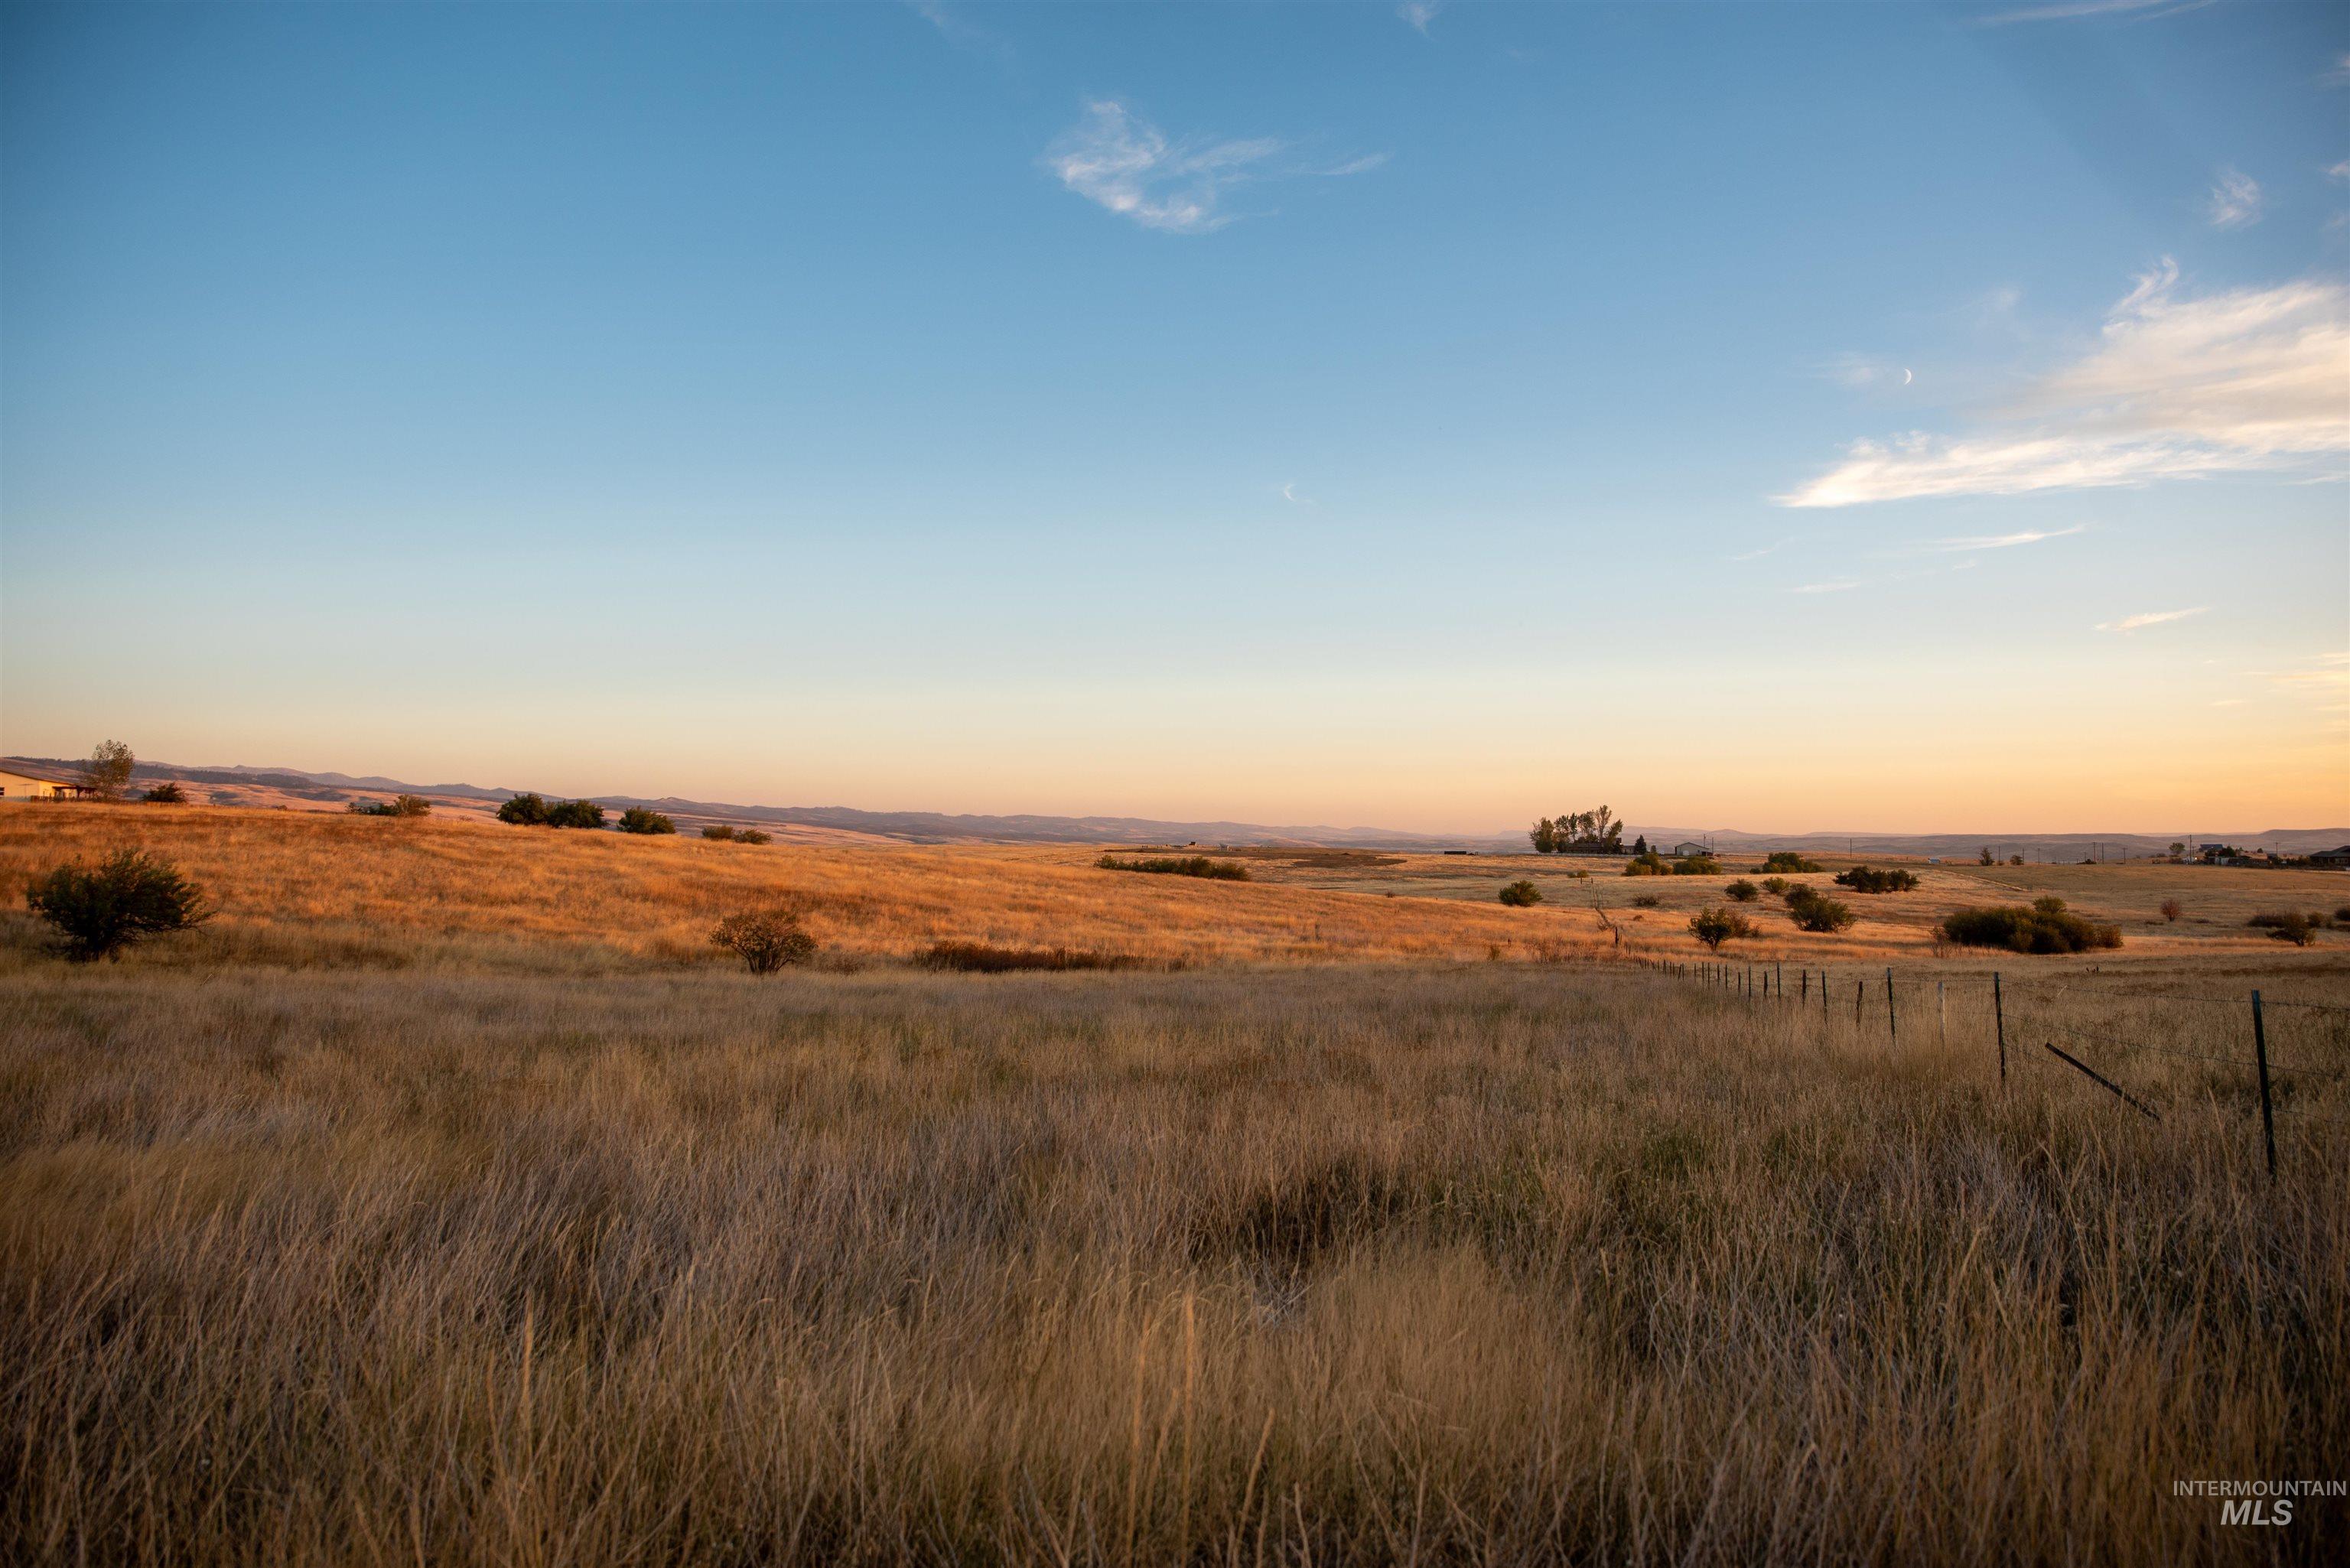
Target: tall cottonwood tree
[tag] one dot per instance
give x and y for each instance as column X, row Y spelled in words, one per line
column 107, row 772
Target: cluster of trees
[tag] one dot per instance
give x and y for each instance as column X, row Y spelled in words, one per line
column 1648, row 863
column 637, row 819
column 1866, row 879
column 726, row 834
column 1788, row 860
column 1595, row 832
column 533, row 811
column 397, row 805
column 2299, row 930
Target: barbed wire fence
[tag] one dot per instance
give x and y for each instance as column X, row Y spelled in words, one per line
column 2279, row 1059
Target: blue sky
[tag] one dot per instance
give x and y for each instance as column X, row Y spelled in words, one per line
column 1779, row 416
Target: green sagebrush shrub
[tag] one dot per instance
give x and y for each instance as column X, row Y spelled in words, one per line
column 1715, row 927
column 1811, row 912
column 100, row 910
column 2047, row 927
column 765, row 940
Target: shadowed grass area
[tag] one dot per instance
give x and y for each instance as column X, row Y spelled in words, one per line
column 980, row 958
column 1177, row 866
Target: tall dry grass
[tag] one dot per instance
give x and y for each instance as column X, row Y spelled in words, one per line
column 1437, row 1263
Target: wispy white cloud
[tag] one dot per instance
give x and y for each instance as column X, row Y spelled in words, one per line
column 1128, row 166
column 960, row 30
column 2150, row 617
column 2004, row 541
column 1289, row 494
column 2340, row 171
column 2070, row 10
column 1862, row 371
column 1420, row 13
column 1758, row 555
column 2236, row 200
column 2247, row 380
column 2325, row 679
column 1841, row 585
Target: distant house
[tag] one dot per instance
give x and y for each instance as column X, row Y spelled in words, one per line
column 2333, row 860
column 1691, row 847
column 22, row 781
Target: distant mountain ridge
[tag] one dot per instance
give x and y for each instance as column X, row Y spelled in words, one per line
column 327, row 789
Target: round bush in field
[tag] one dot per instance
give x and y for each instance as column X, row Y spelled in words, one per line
column 765, row 940
column 1813, row 912
column 1520, row 894
column 525, row 810
column 640, row 819
column 1742, row 891
column 1715, row 927
column 100, row 910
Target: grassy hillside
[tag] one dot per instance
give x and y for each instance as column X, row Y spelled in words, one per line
column 304, row 887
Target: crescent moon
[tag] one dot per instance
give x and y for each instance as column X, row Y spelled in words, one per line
column 1907, row 377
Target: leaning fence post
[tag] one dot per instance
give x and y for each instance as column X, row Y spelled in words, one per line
column 1942, row 1015
column 1779, row 973
column 2261, row 1053
column 1859, row 995
column 1804, row 980
column 1999, row 1018
column 1892, row 1029
column 2127, row 1098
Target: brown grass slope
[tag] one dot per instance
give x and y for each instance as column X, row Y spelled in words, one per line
column 295, row 887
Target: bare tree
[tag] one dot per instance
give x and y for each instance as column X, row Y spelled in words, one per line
column 107, row 772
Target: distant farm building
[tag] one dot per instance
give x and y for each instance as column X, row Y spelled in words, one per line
column 19, row 780
column 2333, row 860
column 1691, row 847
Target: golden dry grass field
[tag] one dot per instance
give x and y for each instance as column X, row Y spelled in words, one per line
column 447, row 1201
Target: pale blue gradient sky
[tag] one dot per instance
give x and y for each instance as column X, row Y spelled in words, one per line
column 1266, row 412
